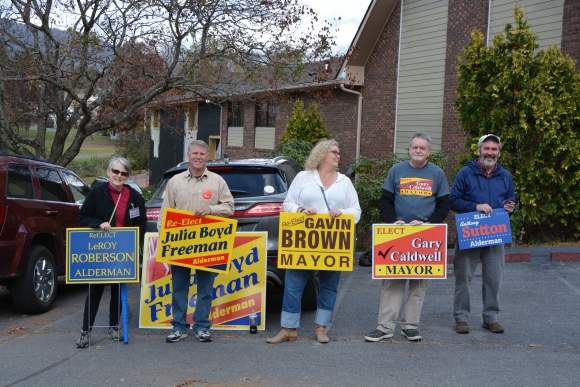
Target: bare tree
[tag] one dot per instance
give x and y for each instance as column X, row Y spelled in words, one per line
column 93, row 64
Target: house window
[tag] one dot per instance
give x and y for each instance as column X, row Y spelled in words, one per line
column 236, row 114
column 235, row 136
column 192, row 115
column 266, row 115
column 155, row 113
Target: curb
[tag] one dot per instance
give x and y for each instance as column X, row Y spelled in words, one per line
column 556, row 256
column 510, row 257
column 564, row 257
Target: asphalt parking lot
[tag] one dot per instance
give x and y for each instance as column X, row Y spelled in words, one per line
column 540, row 303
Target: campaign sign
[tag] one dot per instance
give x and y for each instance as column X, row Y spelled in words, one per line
column 316, row 242
column 199, row 242
column 95, row 256
column 476, row 229
column 413, row 252
column 235, row 294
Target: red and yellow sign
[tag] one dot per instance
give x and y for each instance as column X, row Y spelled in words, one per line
column 405, row 251
column 198, row 242
column 236, row 293
column 316, row 242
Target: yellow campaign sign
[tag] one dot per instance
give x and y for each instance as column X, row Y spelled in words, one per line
column 316, row 242
column 204, row 243
column 405, row 251
column 235, row 294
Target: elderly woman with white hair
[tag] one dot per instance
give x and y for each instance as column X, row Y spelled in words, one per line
column 317, row 190
column 110, row 204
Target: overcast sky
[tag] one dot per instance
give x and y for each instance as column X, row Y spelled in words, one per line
column 351, row 14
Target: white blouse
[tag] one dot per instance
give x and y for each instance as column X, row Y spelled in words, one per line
column 307, row 190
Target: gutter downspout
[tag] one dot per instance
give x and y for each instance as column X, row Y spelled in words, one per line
column 359, row 118
column 488, row 22
column 398, row 79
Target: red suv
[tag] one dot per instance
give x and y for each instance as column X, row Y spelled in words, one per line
column 38, row 202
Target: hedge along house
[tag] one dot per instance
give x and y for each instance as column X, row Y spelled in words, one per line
column 401, row 78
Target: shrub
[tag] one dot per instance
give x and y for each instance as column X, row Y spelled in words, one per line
column 304, row 125
column 299, row 150
column 531, row 99
column 148, row 192
column 134, row 146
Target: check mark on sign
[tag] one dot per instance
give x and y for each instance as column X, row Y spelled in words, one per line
column 384, row 255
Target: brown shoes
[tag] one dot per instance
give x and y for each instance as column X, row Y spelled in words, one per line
column 286, row 334
column 321, row 334
column 494, row 327
column 461, row 327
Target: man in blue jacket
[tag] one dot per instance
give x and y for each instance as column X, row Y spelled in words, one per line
column 481, row 185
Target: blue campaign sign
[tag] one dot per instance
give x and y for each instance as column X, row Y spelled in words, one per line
column 476, row 229
column 96, row 256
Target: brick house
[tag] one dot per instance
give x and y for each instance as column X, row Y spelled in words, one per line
column 402, row 79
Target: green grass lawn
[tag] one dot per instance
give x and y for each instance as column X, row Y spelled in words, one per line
column 95, row 144
column 87, row 168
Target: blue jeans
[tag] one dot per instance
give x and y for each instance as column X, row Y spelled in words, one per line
column 492, row 265
column 181, row 281
column 293, row 288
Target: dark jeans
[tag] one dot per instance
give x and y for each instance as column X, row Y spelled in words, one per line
column 181, row 279
column 92, row 305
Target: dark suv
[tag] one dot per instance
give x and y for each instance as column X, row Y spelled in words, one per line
column 259, row 188
column 38, row 201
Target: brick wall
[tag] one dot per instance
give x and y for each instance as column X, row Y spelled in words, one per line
column 463, row 17
column 380, row 91
column 338, row 110
column 571, row 30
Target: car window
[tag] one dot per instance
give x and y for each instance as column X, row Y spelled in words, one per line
column 253, row 181
column 160, row 192
column 288, row 173
column 51, row 185
column 78, row 188
column 19, row 182
column 135, row 186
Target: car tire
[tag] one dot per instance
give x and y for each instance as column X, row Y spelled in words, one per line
column 310, row 294
column 35, row 290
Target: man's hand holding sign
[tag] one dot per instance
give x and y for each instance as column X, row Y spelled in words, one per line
column 197, row 242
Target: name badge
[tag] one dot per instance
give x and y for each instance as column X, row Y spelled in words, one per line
column 133, row 213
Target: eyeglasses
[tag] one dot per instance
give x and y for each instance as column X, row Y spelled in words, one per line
column 123, row 173
column 336, row 153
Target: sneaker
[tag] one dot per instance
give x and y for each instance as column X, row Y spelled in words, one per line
column 203, row 335
column 115, row 334
column 411, row 334
column 175, row 336
column 461, row 327
column 494, row 327
column 84, row 340
column 378, row 335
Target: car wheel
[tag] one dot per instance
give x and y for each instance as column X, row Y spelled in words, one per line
column 35, row 290
column 310, row 294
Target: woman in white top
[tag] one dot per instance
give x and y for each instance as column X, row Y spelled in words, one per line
column 320, row 189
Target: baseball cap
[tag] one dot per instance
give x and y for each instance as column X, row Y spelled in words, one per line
column 486, row 137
